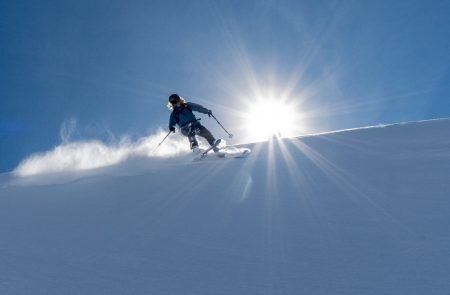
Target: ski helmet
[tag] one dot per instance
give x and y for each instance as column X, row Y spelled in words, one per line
column 174, row 98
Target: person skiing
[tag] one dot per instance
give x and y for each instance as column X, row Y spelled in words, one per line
column 182, row 115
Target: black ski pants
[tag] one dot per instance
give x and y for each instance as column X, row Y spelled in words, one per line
column 193, row 129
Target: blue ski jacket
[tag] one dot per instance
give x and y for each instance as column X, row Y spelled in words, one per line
column 183, row 115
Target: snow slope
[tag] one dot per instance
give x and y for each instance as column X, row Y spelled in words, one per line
column 363, row 211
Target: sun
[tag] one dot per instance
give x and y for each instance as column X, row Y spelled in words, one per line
column 269, row 117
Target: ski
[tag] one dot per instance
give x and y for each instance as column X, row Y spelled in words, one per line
column 204, row 153
column 233, row 152
column 227, row 152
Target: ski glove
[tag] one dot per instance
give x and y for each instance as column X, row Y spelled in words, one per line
column 172, row 129
column 209, row 113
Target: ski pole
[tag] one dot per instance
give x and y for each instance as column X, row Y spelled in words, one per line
column 229, row 134
column 161, row 142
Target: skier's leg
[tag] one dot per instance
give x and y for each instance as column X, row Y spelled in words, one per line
column 193, row 141
column 205, row 133
column 190, row 134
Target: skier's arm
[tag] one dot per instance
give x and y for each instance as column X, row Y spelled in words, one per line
column 172, row 122
column 198, row 108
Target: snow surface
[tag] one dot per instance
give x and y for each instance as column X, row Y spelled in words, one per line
column 364, row 211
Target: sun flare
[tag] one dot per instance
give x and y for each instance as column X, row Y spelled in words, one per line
column 267, row 118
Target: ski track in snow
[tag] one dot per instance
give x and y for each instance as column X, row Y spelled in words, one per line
column 362, row 211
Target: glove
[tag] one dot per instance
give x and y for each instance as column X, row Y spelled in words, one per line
column 172, row 129
column 209, row 113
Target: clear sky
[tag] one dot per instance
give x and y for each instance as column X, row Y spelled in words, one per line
column 110, row 65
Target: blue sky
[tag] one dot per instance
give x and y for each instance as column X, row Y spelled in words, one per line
column 110, row 65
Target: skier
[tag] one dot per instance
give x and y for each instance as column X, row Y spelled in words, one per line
column 190, row 126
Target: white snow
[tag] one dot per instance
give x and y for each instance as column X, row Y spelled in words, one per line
column 87, row 155
column 363, row 211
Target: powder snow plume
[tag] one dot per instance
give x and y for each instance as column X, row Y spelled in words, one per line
column 92, row 154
